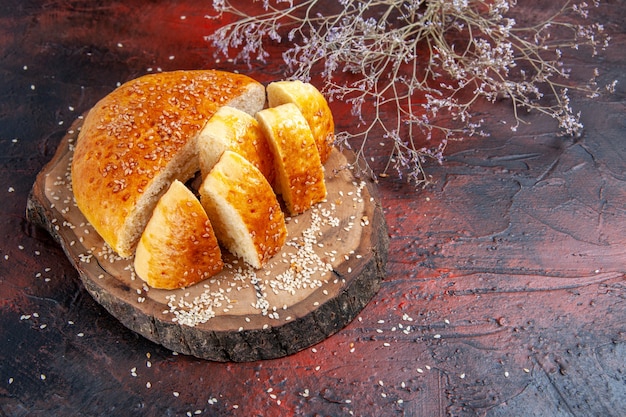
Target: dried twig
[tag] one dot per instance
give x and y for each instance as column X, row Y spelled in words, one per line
column 415, row 68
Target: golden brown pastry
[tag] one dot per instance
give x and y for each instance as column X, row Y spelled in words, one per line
column 235, row 130
column 138, row 139
column 178, row 247
column 243, row 209
column 299, row 171
column 313, row 106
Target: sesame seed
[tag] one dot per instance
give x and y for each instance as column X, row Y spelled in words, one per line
column 309, row 263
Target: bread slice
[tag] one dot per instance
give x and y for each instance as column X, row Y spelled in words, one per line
column 243, row 209
column 178, row 247
column 299, row 171
column 138, row 139
column 313, row 106
column 235, row 130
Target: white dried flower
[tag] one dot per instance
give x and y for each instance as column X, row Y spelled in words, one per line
column 417, row 67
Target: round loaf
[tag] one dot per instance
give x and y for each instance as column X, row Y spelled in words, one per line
column 178, row 247
column 243, row 209
column 313, row 106
column 138, row 139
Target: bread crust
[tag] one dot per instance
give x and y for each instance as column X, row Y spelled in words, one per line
column 312, row 105
column 299, row 171
column 235, row 130
column 138, row 139
column 244, row 210
column 178, row 247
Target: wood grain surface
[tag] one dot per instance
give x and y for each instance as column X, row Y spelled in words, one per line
column 329, row 269
column 504, row 294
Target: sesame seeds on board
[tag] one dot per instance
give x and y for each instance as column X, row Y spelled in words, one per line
column 321, row 251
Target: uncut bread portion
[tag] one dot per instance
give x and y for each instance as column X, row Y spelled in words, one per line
column 243, row 209
column 299, row 171
column 235, row 130
column 138, row 139
column 312, row 105
column 178, row 247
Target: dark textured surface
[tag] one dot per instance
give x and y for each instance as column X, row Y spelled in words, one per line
column 509, row 270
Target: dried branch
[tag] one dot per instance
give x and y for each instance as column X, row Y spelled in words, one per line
column 416, row 68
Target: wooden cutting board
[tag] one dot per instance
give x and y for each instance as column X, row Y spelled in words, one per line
column 324, row 276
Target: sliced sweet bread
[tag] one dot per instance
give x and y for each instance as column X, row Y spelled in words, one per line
column 313, row 106
column 178, row 247
column 139, row 138
column 299, row 171
column 235, row 130
column 243, row 209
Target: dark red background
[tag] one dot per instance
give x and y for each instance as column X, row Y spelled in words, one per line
column 509, row 269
